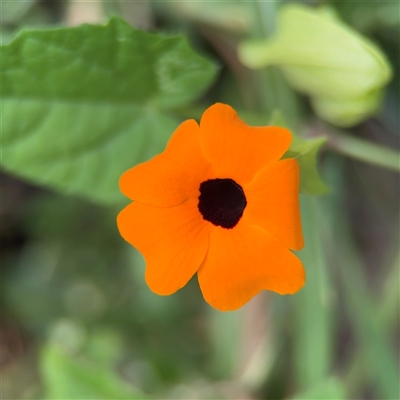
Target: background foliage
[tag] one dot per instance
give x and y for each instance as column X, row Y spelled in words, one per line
column 82, row 103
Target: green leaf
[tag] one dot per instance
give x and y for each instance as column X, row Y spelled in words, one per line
column 225, row 341
column 71, row 378
column 330, row 389
column 306, row 153
column 313, row 306
column 373, row 345
column 11, row 11
column 82, row 105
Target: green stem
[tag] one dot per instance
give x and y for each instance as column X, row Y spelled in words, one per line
column 264, row 26
column 273, row 91
column 364, row 150
column 265, row 18
column 313, row 354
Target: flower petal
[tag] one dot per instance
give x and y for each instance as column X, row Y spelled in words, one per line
column 171, row 177
column 243, row 261
column 174, row 242
column 237, row 150
column 273, row 202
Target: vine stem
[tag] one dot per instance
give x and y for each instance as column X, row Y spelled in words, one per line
column 363, row 150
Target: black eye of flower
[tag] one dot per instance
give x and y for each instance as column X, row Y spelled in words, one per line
column 221, row 202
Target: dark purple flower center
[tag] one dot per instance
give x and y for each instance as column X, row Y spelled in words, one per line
column 221, row 202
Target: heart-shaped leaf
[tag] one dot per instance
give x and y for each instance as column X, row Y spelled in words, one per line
column 82, row 105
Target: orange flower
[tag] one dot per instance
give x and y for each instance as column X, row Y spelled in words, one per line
column 217, row 202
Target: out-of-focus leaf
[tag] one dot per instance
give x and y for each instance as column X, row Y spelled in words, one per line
column 305, row 152
column 70, row 335
column 225, row 341
column 71, row 378
column 331, row 389
column 13, row 10
column 104, row 345
column 82, row 105
column 373, row 345
column 370, row 15
column 313, row 305
column 375, row 349
column 33, row 300
column 341, row 70
column 230, row 15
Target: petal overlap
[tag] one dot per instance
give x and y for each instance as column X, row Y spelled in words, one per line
column 243, row 261
column 237, row 150
column 273, row 202
column 174, row 242
column 171, row 177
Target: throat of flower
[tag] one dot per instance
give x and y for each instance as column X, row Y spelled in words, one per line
column 221, row 202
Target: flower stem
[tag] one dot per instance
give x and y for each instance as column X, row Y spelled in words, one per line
column 364, row 150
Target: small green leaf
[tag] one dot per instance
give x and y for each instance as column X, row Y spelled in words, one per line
column 82, row 105
column 306, row 153
column 71, row 378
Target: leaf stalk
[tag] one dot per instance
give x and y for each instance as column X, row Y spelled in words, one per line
column 363, row 150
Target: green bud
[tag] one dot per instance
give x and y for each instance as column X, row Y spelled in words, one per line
column 347, row 111
column 340, row 69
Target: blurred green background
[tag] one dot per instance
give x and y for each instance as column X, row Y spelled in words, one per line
column 78, row 321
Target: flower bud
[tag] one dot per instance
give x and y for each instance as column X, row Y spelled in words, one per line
column 340, row 69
